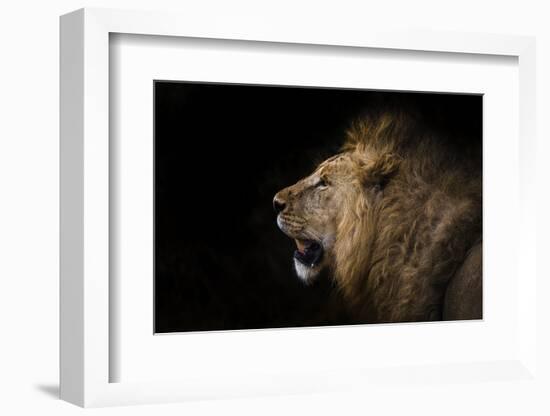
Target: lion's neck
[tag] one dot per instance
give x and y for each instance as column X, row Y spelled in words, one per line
column 407, row 254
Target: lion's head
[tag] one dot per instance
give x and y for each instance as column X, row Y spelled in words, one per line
column 327, row 212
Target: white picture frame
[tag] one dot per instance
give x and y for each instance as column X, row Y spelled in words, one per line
column 85, row 221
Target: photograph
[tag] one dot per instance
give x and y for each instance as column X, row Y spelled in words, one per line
column 290, row 206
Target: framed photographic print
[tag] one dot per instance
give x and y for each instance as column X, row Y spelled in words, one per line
column 268, row 212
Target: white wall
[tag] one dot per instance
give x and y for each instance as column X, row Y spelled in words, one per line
column 29, row 189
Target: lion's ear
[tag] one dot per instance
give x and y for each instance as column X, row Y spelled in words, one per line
column 380, row 170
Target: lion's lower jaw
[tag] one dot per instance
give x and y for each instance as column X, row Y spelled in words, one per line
column 306, row 273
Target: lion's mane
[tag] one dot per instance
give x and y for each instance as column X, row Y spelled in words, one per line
column 395, row 254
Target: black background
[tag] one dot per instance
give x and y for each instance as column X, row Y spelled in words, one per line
column 221, row 154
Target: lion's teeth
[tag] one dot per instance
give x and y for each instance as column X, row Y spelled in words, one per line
column 300, row 245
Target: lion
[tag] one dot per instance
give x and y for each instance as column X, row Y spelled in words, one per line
column 395, row 218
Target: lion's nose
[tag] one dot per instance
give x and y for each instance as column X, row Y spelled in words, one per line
column 278, row 204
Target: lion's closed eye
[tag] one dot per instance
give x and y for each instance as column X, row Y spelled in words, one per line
column 321, row 183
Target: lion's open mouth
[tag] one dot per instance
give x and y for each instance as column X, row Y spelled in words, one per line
column 308, row 252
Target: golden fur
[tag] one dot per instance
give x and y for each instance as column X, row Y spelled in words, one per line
column 398, row 214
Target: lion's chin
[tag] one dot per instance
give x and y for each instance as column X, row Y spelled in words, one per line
column 307, row 273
